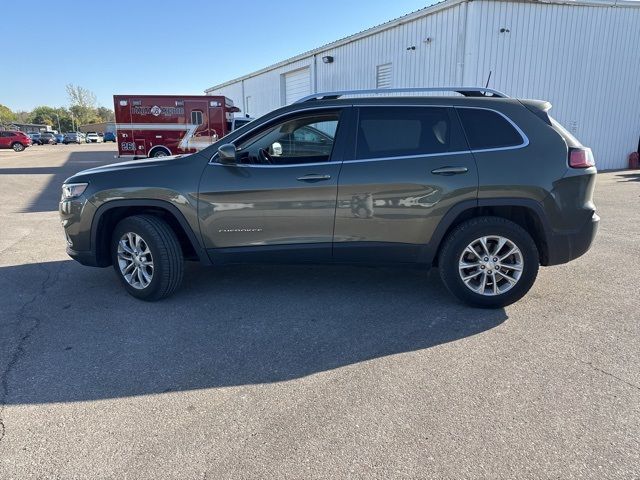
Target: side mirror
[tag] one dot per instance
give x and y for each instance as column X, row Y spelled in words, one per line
column 227, row 154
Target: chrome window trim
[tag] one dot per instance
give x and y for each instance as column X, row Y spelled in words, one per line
column 409, row 157
column 249, row 165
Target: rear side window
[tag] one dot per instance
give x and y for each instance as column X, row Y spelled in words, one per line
column 405, row 131
column 487, row 129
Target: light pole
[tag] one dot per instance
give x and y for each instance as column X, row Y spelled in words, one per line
column 58, row 117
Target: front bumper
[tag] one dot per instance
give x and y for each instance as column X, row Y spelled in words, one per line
column 76, row 217
column 87, row 258
column 564, row 247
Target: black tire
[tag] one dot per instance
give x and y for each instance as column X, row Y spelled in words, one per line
column 463, row 235
column 17, row 147
column 165, row 251
column 158, row 153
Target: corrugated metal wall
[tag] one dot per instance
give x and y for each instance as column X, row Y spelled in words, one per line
column 584, row 59
column 266, row 90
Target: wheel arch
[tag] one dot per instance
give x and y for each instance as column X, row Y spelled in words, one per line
column 155, row 148
column 527, row 213
column 109, row 214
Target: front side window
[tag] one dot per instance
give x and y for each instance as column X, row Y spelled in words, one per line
column 196, row 117
column 300, row 140
column 385, row 132
column 486, row 129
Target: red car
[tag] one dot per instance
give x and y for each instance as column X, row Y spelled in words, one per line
column 16, row 140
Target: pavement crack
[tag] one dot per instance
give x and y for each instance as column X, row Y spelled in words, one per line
column 6, row 249
column 18, row 352
column 579, row 360
column 604, row 372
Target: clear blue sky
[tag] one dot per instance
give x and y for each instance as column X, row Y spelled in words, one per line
column 164, row 46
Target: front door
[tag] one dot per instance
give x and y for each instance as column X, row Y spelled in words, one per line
column 280, row 197
column 409, row 166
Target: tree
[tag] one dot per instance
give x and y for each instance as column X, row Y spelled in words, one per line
column 81, row 96
column 22, row 116
column 59, row 118
column 83, row 115
column 105, row 114
column 43, row 115
column 6, row 115
column 83, row 104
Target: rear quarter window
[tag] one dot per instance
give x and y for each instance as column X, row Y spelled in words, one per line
column 486, row 129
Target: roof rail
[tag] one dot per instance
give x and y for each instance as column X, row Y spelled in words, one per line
column 466, row 91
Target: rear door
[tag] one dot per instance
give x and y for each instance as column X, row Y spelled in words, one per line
column 124, row 133
column 410, row 165
column 199, row 134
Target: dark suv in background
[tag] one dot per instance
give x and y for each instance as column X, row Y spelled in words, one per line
column 483, row 186
column 35, row 138
column 48, row 138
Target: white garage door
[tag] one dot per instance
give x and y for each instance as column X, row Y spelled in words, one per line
column 297, row 84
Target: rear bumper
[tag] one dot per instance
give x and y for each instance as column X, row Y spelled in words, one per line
column 564, row 247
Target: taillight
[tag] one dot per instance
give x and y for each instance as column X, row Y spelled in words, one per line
column 581, row 158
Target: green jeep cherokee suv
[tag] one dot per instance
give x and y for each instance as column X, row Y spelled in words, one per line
column 483, row 186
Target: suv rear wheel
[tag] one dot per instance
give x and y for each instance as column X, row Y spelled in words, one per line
column 147, row 257
column 489, row 262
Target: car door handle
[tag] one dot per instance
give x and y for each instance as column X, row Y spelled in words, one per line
column 449, row 170
column 314, row 177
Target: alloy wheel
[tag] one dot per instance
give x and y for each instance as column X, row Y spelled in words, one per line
column 491, row 265
column 135, row 260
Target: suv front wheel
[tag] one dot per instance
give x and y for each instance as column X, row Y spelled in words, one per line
column 489, row 262
column 147, row 257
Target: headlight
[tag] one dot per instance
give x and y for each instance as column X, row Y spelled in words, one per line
column 73, row 190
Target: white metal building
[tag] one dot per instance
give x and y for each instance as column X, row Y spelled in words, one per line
column 582, row 55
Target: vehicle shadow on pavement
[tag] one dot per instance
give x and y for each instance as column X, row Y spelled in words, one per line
column 629, row 177
column 47, row 199
column 80, row 337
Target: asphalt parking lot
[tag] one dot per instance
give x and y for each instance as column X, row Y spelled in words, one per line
column 310, row 372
